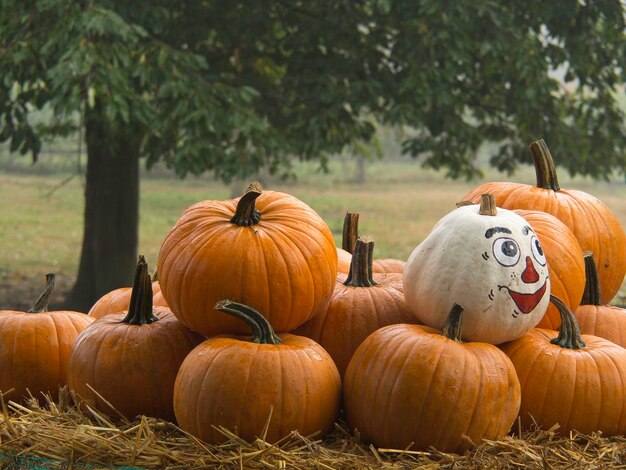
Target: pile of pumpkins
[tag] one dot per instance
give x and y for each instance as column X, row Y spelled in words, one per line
column 258, row 323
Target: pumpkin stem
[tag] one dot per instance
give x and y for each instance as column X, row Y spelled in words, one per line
column 464, row 203
column 155, row 276
column 41, row 304
column 544, row 166
column 350, row 231
column 360, row 274
column 246, row 213
column 454, row 323
column 140, row 309
column 569, row 332
column 487, row 205
column 262, row 331
column 592, row 294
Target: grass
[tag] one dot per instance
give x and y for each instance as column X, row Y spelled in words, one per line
column 41, row 218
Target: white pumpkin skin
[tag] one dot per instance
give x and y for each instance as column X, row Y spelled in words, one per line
column 491, row 265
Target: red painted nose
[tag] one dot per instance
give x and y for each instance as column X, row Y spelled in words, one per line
column 530, row 274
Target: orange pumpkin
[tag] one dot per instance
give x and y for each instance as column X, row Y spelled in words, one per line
column 571, row 380
column 118, row 300
column 131, row 359
column 348, row 242
column 266, row 249
column 593, row 224
column 35, row 347
column 566, row 266
column 593, row 317
column 362, row 303
column 285, row 382
column 410, row 384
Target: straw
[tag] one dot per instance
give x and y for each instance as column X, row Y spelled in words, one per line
column 61, row 435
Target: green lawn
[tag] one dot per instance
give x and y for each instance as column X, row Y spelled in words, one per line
column 41, row 222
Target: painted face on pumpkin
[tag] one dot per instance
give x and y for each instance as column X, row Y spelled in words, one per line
column 524, row 268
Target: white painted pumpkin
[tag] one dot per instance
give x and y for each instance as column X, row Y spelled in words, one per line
column 487, row 260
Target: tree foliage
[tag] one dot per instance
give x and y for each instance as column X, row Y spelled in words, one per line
column 232, row 86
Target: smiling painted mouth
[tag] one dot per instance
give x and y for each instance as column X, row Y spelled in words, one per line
column 526, row 303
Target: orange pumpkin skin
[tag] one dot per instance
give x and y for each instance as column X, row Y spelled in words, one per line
column 343, row 260
column 581, row 390
column 132, row 366
column 355, row 311
column 35, row 349
column 295, row 382
column 118, row 300
column 409, row 384
column 606, row 321
column 381, row 266
column 131, row 358
column 593, row 224
column 388, row 265
column 284, row 264
column 566, row 266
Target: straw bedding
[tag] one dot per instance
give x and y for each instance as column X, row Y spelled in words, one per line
column 60, row 435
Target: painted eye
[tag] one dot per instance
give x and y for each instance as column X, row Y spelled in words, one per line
column 506, row 251
column 537, row 251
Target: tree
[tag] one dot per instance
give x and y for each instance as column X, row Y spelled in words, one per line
column 230, row 87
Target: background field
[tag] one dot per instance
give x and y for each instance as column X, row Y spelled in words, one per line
column 41, row 211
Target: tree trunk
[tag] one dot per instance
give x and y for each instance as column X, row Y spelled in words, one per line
column 109, row 250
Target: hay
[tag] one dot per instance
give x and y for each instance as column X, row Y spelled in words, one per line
column 59, row 435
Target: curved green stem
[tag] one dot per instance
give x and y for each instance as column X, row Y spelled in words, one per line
column 246, row 213
column 41, row 304
column 360, row 274
column 569, row 332
column 350, row 231
column 592, row 294
column 262, row 331
column 140, row 309
column 544, row 166
column 454, row 323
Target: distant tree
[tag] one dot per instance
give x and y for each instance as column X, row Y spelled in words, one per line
column 230, row 87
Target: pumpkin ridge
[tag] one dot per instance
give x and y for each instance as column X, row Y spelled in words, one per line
column 407, row 357
column 622, row 387
column 58, row 340
column 188, row 271
column 442, row 346
column 453, row 410
column 375, row 395
column 548, row 380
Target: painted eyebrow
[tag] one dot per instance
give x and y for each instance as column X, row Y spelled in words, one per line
column 527, row 229
column 491, row 231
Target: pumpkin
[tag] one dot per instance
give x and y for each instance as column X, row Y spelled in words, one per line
column 594, row 318
column 411, row 384
column 118, row 300
column 35, row 347
column 362, row 302
column 267, row 386
column 487, row 259
column 566, row 266
column 266, row 249
column 131, row 359
column 573, row 380
column 348, row 242
column 593, row 224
